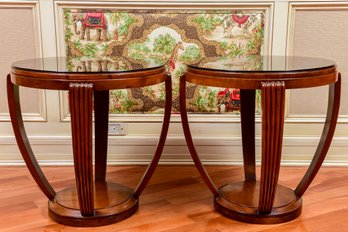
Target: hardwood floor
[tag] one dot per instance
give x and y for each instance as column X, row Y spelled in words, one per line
column 175, row 200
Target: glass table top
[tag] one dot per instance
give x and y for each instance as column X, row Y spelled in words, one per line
column 257, row 63
column 61, row 64
column 241, row 63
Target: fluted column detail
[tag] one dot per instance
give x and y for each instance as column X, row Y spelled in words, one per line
column 273, row 103
column 80, row 101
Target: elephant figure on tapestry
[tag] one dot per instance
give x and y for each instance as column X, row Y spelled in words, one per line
column 86, row 66
column 95, row 20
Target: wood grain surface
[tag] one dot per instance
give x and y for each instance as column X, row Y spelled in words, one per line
column 82, row 87
column 176, row 199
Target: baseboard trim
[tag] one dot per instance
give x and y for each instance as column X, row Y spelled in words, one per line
column 173, row 162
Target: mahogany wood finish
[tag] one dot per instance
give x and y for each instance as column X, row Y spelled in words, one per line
column 101, row 116
column 189, row 141
column 93, row 201
column 151, row 168
column 80, row 102
column 273, row 104
column 326, row 136
column 22, row 140
column 264, row 201
column 247, row 118
column 101, row 81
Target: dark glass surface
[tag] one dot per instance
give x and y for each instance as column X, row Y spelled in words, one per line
column 263, row 63
column 60, row 64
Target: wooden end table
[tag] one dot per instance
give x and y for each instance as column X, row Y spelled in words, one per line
column 263, row 201
column 94, row 201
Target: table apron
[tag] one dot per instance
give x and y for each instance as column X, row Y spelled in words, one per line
column 99, row 84
column 255, row 83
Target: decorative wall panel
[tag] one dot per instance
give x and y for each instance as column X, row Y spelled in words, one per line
column 18, row 41
column 99, row 40
column 319, row 31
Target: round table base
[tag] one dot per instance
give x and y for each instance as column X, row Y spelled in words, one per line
column 112, row 203
column 239, row 201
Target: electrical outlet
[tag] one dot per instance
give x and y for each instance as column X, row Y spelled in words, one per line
column 117, row 129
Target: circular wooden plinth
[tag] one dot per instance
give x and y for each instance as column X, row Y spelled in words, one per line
column 112, row 203
column 239, row 201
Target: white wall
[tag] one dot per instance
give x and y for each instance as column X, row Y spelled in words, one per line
column 313, row 28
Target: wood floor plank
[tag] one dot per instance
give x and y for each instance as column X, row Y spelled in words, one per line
column 176, row 199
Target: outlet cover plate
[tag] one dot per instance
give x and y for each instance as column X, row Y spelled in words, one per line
column 117, row 129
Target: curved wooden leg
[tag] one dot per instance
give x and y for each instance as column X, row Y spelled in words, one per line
column 247, row 115
column 273, row 104
column 188, row 137
column 160, row 145
column 326, row 137
column 22, row 139
column 101, row 114
column 80, row 100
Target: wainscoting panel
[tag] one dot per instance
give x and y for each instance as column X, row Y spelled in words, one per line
column 319, row 30
column 20, row 39
column 35, row 28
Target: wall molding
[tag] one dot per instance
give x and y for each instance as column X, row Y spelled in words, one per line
column 56, row 150
column 40, row 116
column 301, row 135
column 309, row 6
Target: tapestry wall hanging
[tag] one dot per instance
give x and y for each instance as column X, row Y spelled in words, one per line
column 100, row 40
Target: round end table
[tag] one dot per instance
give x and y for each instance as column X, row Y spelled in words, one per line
column 263, row 201
column 93, row 201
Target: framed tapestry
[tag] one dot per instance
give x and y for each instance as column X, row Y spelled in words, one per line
column 111, row 39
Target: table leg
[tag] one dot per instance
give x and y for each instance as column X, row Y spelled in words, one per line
column 273, row 104
column 247, row 115
column 326, row 137
column 23, row 141
column 80, row 101
column 90, row 203
column 264, row 201
column 188, row 138
column 160, row 145
column 101, row 115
